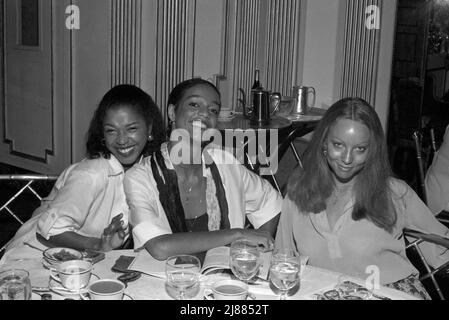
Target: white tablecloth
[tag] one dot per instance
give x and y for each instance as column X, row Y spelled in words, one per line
column 151, row 288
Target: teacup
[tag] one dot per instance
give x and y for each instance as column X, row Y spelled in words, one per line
column 106, row 289
column 74, row 274
column 228, row 290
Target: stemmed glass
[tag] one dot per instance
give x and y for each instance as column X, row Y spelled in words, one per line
column 285, row 270
column 182, row 273
column 244, row 259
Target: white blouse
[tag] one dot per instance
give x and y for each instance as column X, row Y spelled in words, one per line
column 84, row 199
column 247, row 195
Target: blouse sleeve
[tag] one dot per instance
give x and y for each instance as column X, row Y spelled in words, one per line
column 263, row 202
column 146, row 218
column 417, row 216
column 70, row 207
column 284, row 234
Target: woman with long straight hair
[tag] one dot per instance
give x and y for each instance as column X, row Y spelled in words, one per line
column 345, row 210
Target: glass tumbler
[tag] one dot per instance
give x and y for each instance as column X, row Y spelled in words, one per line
column 15, row 285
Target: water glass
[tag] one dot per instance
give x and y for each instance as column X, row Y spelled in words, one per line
column 285, row 268
column 183, row 272
column 244, row 259
column 15, row 285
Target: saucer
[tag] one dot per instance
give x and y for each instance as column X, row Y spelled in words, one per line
column 303, row 117
column 227, row 118
column 57, row 288
column 85, row 296
column 210, row 296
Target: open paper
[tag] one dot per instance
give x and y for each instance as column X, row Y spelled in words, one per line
column 215, row 259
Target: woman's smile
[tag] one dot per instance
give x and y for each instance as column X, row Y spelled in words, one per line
column 347, row 148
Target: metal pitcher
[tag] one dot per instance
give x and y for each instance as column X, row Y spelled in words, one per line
column 304, row 99
column 263, row 102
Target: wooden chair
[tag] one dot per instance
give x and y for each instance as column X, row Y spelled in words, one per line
column 422, row 168
column 26, row 182
column 424, row 156
column 413, row 238
column 287, row 142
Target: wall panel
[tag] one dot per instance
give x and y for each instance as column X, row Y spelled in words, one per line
column 361, row 52
column 264, row 35
column 126, row 41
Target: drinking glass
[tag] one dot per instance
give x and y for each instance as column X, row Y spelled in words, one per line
column 285, row 270
column 244, row 259
column 15, row 285
column 182, row 273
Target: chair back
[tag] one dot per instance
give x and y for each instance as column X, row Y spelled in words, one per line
column 417, row 138
column 428, row 275
column 425, row 150
column 27, row 184
column 279, row 152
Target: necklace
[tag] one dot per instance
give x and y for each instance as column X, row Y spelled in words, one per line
column 187, row 191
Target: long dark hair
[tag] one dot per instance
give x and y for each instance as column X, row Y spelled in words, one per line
column 130, row 96
column 309, row 187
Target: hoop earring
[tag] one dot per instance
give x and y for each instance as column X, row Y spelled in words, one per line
column 325, row 152
column 150, row 137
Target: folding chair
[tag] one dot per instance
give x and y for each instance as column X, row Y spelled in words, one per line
column 424, row 159
column 279, row 153
column 428, row 271
column 417, row 138
column 28, row 180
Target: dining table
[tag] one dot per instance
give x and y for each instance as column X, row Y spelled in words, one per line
column 313, row 280
column 286, row 128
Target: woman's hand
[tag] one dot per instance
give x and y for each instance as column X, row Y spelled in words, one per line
column 113, row 235
column 261, row 237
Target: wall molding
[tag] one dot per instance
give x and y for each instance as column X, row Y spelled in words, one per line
column 282, row 44
column 126, row 28
column 10, row 141
column 260, row 35
column 175, row 46
column 360, row 53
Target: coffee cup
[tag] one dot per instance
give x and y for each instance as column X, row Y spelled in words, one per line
column 106, row 289
column 74, row 274
column 227, row 290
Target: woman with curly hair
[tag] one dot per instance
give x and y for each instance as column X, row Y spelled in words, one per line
column 87, row 208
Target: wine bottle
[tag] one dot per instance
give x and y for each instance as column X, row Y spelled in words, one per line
column 256, row 84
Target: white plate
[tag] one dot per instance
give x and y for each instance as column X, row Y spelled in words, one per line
column 303, row 117
column 210, row 296
column 51, row 254
column 48, row 265
column 126, row 297
column 228, row 118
